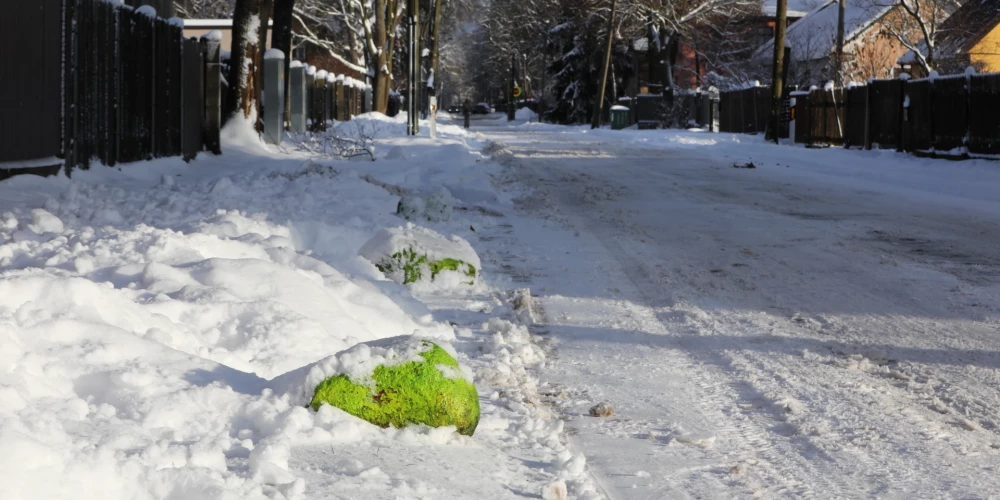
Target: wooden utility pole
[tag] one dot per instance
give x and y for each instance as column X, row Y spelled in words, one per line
column 599, row 105
column 838, row 75
column 777, row 80
column 511, row 107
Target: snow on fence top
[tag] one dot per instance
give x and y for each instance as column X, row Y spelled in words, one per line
column 330, row 78
column 212, row 36
column 321, row 74
column 146, row 11
column 176, row 22
column 273, row 54
column 311, row 70
column 295, row 64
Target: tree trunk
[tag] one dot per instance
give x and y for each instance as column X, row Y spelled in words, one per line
column 265, row 18
column 777, row 82
column 281, row 39
column 435, row 46
column 245, row 59
column 599, row 105
column 382, row 73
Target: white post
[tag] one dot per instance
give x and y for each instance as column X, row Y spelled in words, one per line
column 791, row 119
column 433, row 116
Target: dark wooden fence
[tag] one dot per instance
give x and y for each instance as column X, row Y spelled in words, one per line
column 334, row 98
column 130, row 80
column 88, row 79
column 949, row 116
column 745, row 111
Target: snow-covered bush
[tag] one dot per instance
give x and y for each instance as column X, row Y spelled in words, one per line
column 397, row 382
column 414, row 254
column 434, row 207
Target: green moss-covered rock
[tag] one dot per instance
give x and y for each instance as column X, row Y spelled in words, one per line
column 408, row 393
column 413, row 265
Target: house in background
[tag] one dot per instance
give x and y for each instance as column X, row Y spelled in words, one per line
column 197, row 27
column 687, row 68
column 303, row 51
column 969, row 37
column 868, row 51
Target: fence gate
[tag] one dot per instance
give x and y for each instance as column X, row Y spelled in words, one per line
column 984, row 126
column 885, row 109
column 918, row 116
column 855, row 116
column 950, row 111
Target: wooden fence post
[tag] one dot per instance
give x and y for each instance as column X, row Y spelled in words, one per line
column 212, row 121
column 868, row 116
column 318, row 101
column 297, row 98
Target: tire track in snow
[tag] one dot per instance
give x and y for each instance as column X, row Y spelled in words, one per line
column 873, row 467
column 783, row 470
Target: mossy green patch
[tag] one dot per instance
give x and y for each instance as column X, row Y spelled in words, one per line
column 411, row 263
column 408, row 393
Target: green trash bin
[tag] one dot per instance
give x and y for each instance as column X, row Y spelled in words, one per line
column 619, row 117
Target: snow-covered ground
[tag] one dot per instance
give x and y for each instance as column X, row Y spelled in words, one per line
column 148, row 311
column 825, row 325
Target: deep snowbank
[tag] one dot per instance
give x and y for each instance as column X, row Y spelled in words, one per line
column 143, row 312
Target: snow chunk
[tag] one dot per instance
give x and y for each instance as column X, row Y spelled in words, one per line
column 434, row 207
column 295, row 64
column 176, row 22
column 44, row 222
column 274, row 54
column 527, row 114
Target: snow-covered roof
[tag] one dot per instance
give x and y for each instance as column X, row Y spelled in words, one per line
column 815, row 35
column 214, row 23
column 799, row 6
column 771, row 10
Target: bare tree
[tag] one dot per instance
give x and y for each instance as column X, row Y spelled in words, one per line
column 244, row 84
column 915, row 23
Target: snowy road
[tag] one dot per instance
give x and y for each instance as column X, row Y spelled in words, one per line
column 826, row 325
